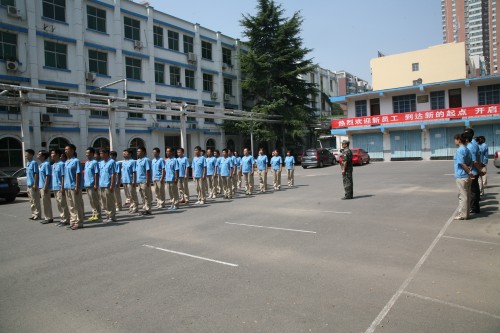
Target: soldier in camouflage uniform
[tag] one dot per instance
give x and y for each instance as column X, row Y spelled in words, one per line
column 346, row 167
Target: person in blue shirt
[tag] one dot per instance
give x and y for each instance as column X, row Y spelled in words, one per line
column 262, row 162
column 58, row 161
column 277, row 167
column 226, row 169
column 117, row 192
column 247, row 169
column 143, row 178
column 290, row 168
column 238, row 174
column 483, row 148
column 199, row 166
column 474, row 150
column 172, row 178
column 217, row 176
column 107, row 183
column 158, row 171
column 45, row 185
column 32, row 184
column 211, row 162
column 183, row 176
column 234, row 178
column 128, row 179
column 72, row 188
column 463, row 176
column 91, row 184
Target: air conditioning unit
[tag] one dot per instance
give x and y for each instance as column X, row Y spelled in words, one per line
column 191, row 57
column 13, row 11
column 213, row 95
column 89, row 76
column 227, row 97
column 45, row 118
column 12, row 65
column 137, row 44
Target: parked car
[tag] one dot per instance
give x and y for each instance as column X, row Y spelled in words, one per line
column 496, row 161
column 8, row 187
column 317, row 157
column 359, row 156
column 336, row 153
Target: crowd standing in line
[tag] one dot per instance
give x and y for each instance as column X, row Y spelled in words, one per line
column 102, row 177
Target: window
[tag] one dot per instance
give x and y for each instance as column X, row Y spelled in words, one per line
column 176, row 108
column 489, row 94
column 161, row 107
column 173, row 40
column 11, row 153
column 361, row 109
column 55, row 9
column 8, row 46
column 11, row 93
column 58, row 143
column 135, row 105
column 228, row 86
column 133, row 68
column 209, row 120
column 175, row 76
column 206, row 50
column 99, row 113
column 7, row 2
column 404, row 103
column 415, row 67
column 226, row 56
column 56, row 55
column 98, row 62
column 158, row 36
column 59, row 98
column 208, row 82
column 189, row 78
column 188, row 44
column 159, row 73
column 96, row 19
column 437, row 100
column 132, row 28
column 101, row 143
column 210, row 144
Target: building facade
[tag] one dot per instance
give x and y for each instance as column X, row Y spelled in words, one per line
column 350, row 84
column 80, row 46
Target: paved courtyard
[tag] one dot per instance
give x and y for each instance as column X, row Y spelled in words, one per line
column 297, row 260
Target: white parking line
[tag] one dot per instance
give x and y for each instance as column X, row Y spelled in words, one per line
column 192, row 256
column 452, row 304
column 260, row 226
column 472, row 240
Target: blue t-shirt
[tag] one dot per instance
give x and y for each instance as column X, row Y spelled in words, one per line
column 211, row 164
column 289, row 162
column 171, row 166
column 198, row 164
column 483, row 148
column 72, row 168
column 217, row 164
column 91, row 168
column 462, row 156
column 141, row 166
column 183, row 165
column 237, row 161
column 118, row 171
column 247, row 163
column 474, row 150
column 44, row 171
column 262, row 162
column 31, row 169
column 276, row 162
column 225, row 166
column 106, row 170
column 158, row 165
column 57, row 173
column 128, row 170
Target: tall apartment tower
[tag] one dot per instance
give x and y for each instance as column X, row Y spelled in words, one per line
column 475, row 23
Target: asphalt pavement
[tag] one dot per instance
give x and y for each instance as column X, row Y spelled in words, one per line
column 296, row 260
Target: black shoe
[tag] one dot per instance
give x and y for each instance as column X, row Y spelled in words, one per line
column 146, row 213
column 474, row 211
column 47, row 221
column 346, row 198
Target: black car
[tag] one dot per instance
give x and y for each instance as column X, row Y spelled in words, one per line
column 9, row 187
column 318, row 157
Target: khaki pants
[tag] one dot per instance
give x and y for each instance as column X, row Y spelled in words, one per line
column 248, row 176
column 291, row 179
column 211, row 185
column 483, row 180
column 46, row 204
column 239, row 175
column 160, row 193
column 173, row 193
column 217, row 184
column 75, row 205
column 277, row 179
column 227, row 186
column 62, row 206
column 234, row 182
column 108, row 202
column 131, row 193
column 34, row 197
column 95, row 201
column 183, row 186
column 146, row 195
column 118, row 198
column 200, row 189
column 262, row 180
column 464, row 186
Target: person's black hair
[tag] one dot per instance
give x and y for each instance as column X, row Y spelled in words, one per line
column 468, row 136
column 91, row 150
column 217, row 151
column 225, row 150
column 181, row 149
column 142, row 148
column 113, row 153
column 460, row 137
column 197, row 148
column 156, row 149
column 482, row 138
column 104, row 150
column 44, row 153
column 469, row 130
column 30, row 151
column 72, row 147
column 56, row 151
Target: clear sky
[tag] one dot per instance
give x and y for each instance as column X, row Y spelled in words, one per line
column 344, row 34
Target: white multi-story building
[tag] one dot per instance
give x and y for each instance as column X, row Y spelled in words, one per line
column 79, row 46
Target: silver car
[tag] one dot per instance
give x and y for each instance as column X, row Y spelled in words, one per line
column 21, row 180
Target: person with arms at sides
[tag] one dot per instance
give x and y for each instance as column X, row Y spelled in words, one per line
column 239, row 175
column 476, row 167
column 247, row 163
column 483, row 148
column 107, row 183
column 91, row 183
column 45, row 185
column 58, row 160
column 183, row 176
column 128, row 179
column 234, row 178
column 463, row 176
column 226, row 169
column 199, row 166
column 158, row 165
column 32, row 184
column 143, row 177
column 346, row 168
column 262, row 162
column 217, row 176
column 277, row 167
column 72, row 181
column 211, row 162
column 172, row 178
column 290, row 168
column 118, row 196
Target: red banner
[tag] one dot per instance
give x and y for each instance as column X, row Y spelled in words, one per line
column 419, row 116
